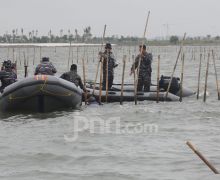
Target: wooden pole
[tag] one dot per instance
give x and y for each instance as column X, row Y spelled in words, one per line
column 13, row 55
column 106, row 80
column 206, row 78
column 174, row 68
column 84, row 80
column 216, row 75
column 200, row 65
column 122, row 81
column 158, row 78
column 139, row 62
column 25, row 66
column 68, row 64
column 133, row 60
column 34, row 56
column 40, row 54
column 202, row 157
column 100, row 82
column 181, row 82
column 97, row 70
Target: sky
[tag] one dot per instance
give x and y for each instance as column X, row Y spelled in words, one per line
column 122, row 17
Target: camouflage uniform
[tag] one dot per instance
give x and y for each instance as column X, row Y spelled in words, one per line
column 144, row 79
column 7, row 77
column 46, row 68
column 111, row 65
column 73, row 77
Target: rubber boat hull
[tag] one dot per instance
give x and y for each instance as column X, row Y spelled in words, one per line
column 40, row 93
column 186, row 92
column 115, row 96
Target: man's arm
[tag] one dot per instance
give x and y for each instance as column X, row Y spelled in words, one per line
column 81, row 85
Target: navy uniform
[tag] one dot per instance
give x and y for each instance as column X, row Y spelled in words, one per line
column 144, row 78
column 7, row 75
column 108, row 56
column 45, row 67
column 73, row 77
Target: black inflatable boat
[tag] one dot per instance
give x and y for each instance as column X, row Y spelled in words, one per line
column 41, row 93
column 114, row 94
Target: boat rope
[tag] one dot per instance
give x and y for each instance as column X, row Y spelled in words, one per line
column 41, row 89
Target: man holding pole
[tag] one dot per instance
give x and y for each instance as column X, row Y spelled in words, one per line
column 109, row 63
column 144, row 71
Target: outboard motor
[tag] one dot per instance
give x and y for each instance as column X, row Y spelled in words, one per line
column 164, row 83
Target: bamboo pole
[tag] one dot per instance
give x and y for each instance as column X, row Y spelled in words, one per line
column 174, row 68
column 200, row 65
column 181, row 82
column 100, row 82
column 34, row 56
column 25, row 66
column 68, row 64
column 13, row 55
column 133, row 60
column 158, row 78
column 216, row 75
column 84, row 80
column 122, row 80
column 206, row 78
column 202, row 157
column 139, row 62
column 106, row 80
column 40, row 54
column 97, row 70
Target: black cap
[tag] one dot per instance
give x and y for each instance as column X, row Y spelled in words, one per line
column 45, row 59
column 73, row 67
column 108, row 46
column 144, row 47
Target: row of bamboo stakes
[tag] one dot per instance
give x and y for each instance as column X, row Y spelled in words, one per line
column 211, row 54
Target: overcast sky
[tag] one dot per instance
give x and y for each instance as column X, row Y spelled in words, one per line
column 123, row 17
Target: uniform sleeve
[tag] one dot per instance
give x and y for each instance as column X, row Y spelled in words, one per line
column 135, row 64
column 36, row 70
column 150, row 57
column 63, row 76
column 54, row 70
column 81, row 84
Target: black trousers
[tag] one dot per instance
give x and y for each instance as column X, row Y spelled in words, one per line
column 144, row 82
column 110, row 82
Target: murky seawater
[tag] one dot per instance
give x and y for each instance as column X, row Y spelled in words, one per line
column 146, row 141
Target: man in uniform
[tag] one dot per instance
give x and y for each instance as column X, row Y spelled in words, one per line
column 144, row 78
column 73, row 77
column 45, row 67
column 107, row 56
column 7, row 75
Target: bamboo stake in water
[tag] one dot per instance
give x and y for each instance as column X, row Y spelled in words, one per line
column 34, row 56
column 200, row 64
column 106, row 80
column 181, row 82
column 68, row 64
column 25, row 66
column 133, row 60
column 84, row 80
column 40, row 54
column 202, row 157
column 97, row 70
column 206, row 78
column 100, row 82
column 122, row 81
column 158, row 78
column 174, row 68
column 216, row 75
column 139, row 62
